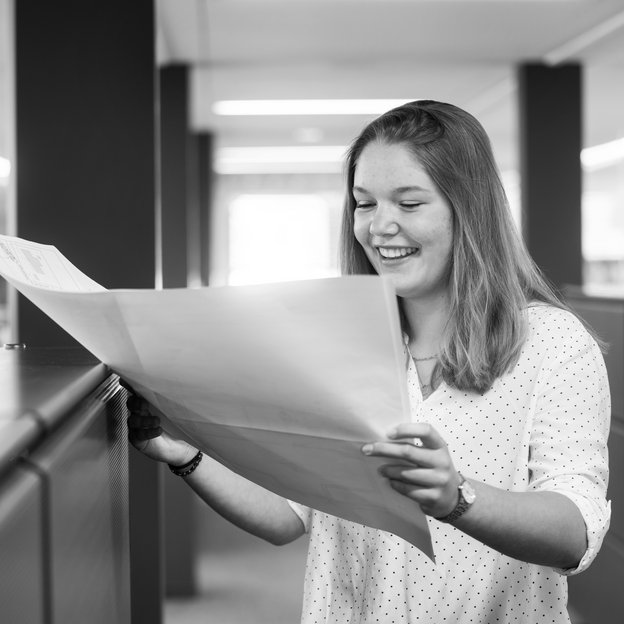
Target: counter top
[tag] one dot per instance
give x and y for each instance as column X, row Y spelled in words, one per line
column 38, row 386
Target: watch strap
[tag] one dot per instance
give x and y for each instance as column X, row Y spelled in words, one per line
column 462, row 504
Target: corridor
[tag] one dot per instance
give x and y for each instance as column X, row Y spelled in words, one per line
column 242, row 579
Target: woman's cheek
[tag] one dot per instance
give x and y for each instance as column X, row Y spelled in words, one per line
column 361, row 227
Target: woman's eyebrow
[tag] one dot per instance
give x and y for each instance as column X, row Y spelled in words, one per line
column 400, row 189
column 408, row 189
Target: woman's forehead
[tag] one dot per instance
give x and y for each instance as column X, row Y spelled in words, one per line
column 390, row 164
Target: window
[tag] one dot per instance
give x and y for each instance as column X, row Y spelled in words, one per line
column 603, row 178
column 603, row 229
column 282, row 237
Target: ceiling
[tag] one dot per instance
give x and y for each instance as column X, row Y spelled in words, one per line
column 461, row 51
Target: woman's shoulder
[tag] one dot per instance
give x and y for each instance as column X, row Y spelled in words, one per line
column 546, row 314
column 555, row 326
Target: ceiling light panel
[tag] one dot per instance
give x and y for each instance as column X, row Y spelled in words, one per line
column 304, row 107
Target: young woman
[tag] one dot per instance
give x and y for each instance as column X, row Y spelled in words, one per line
column 506, row 448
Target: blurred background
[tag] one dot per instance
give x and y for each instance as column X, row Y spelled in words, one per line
column 281, row 87
column 268, row 94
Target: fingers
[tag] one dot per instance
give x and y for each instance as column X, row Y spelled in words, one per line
column 420, row 466
column 434, row 489
column 142, row 435
column 141, row 428
column 138, row 405
column 423, row 477
column 407, row 451
column 142, row 424
column 138, row 421
column 431, row 500
column 402, row 443
column 429, row 437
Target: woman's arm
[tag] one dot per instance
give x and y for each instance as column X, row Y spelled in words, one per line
column 245, row 504
column 561, row 519
column 545, row 528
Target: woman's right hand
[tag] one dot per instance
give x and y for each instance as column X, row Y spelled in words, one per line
column 146, row 434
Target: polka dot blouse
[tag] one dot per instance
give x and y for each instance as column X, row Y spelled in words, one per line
column 542, row 426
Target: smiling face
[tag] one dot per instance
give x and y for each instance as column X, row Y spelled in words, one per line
column 402, row 221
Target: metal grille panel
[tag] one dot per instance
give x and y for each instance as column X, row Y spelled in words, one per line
column 21, row 564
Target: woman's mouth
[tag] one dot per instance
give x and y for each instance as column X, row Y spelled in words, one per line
column 397, row 253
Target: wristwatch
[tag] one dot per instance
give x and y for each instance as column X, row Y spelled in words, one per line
column 467, row 497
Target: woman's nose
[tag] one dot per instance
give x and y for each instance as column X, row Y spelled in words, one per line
column 384, row 222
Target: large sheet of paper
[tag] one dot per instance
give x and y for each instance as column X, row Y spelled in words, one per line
column 282, row 383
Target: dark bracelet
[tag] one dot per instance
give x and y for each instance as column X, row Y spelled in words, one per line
column 186, row 469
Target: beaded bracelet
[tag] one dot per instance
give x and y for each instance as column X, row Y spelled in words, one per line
column 186, row 469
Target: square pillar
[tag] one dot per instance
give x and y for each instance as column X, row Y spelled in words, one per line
column 85, row 89
column 550, row 168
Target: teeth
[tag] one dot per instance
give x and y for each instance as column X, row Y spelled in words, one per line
column 396, row 252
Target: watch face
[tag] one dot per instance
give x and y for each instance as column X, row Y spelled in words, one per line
column 468, row 493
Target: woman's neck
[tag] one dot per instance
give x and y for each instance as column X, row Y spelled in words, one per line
column 426, row 320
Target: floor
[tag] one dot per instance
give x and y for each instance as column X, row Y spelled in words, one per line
column 242, row 579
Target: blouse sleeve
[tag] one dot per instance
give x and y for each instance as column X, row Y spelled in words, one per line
column 304, row 513
column 568, row 445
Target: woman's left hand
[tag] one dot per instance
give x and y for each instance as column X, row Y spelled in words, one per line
column 423, row 473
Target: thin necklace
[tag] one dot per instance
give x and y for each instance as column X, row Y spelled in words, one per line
column 424, row 359
column 425, row 388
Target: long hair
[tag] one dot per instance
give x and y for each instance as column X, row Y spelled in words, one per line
column 492, row 276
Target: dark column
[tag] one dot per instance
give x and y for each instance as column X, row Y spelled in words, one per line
column 206, row 186
column 86, row 183
column 186, row 185
column 550, row 147
column 187, row 190
column 174, row 157
column 85, row 85
column 195, row 151
column 180, row 251
column 200, row 178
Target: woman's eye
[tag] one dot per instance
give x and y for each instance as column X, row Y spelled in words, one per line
column 411, row 204
column 363, row 204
